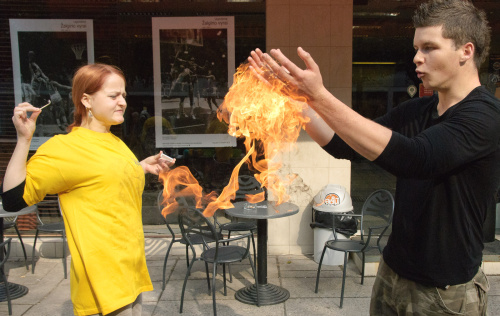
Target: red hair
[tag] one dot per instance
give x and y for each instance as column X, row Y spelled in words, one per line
column 89, row 79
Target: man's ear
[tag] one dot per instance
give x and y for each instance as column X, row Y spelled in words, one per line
column 86, row 101
column 468, row 51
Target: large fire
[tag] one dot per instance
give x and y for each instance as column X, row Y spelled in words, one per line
column 267, row 114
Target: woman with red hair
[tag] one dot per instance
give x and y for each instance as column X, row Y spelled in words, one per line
column 100, row 183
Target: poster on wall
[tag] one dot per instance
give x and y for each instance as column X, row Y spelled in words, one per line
column 45, row 54
column 194, row 66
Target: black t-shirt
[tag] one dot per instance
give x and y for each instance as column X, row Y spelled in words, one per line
column 448, row 173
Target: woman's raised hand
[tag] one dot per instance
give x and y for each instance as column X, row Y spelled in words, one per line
column 24, row 120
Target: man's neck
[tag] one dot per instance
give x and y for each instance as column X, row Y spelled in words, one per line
column 451, row 96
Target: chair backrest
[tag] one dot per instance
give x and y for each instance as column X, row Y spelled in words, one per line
column 9, row 222
column 49, row 210
column 5, row 249
column 195, row 226
column 377, row 212
column 247, row 185
column 171, row 218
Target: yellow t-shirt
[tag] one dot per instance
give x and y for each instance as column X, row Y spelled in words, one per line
column 100, row 185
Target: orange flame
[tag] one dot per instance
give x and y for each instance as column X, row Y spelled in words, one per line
column 268, row 115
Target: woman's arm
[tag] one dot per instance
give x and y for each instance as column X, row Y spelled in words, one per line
column 24, row 120
column 156, row 164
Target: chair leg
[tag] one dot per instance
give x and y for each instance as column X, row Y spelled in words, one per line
column 224, row 278
column 213, row 288
column 188, row 272
column 319, row 269
column 165, row 265
column 7, row 291
column 33, row 254
column 208, row 277
column 64, row 254
column 22, row 246
column 229, row 265
column 363, row 269
column 343, row 279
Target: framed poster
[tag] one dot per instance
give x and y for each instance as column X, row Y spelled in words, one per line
column 45, row 54
column 194, row 66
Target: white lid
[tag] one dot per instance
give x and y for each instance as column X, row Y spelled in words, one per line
column 333, row 198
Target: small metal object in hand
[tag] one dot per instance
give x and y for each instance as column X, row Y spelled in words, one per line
column 46, row 105
column 167, row 158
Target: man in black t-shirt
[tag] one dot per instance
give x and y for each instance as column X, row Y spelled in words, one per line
column 444, row 151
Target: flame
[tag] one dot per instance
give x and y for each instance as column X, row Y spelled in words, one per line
column 269, row 116
column 256, row 198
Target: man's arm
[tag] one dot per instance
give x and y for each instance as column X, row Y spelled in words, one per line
column 317, row 128
column 366, row 137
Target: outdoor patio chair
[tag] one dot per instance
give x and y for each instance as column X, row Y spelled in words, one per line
column 376, row 215
column 52, row 208
column 248, row 185
column 195, row 226
column 171, row 220
column 5, row 248
column 11, row 222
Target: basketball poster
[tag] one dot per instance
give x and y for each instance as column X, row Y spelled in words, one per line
column 194, row 67
column 45, row 54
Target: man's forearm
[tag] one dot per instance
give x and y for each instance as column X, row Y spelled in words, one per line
column 365, row 136
column 317, row 128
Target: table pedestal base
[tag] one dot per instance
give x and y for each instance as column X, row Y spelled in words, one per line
column 269, row 294
column 15, row 291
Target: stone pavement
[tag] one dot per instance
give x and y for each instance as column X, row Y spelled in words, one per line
column 49, row 293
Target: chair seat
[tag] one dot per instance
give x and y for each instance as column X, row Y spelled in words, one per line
column 198, row 239
column 52, row 227
column 227, row 254
column 345, row 245
column 239, row 226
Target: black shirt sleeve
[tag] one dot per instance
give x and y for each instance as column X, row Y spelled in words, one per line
column 12, row 200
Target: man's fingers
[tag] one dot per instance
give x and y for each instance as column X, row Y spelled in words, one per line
column 261, row 78
column 308, row 60
column 286, row 70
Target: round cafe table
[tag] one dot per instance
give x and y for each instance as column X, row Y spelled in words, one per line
column 15, row 290
column 269, row 294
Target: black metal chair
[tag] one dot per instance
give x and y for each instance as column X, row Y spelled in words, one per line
column 53, row 227
column 377, row 214
column 195, row 226
column 11, row 222
column 248, row 185
column 5, row 248
column 170, row 220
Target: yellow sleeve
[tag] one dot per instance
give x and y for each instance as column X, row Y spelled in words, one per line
column 43, row 172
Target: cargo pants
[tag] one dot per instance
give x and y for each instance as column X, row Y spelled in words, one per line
column 394, row 295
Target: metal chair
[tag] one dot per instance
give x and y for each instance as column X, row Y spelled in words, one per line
column 173, row 219
column 5, row 248
column 11, row 222
column 248, row 185
column 195, row 226
column 53, row 227
column 378, row 210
